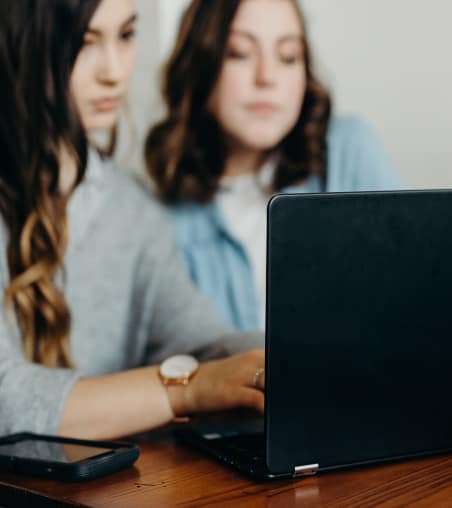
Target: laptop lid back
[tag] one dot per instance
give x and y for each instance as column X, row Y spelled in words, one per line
column 358, row 327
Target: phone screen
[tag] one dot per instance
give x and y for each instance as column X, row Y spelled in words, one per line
column 51, row 451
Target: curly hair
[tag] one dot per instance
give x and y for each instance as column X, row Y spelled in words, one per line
column 39, row 43
column 185, row 153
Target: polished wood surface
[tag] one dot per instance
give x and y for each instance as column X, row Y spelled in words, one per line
column 169, row 474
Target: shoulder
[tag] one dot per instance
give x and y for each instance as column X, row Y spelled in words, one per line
column 350, row 132
column 131, row 219
column 357, row 158
column 130, row 197
column 196, row 223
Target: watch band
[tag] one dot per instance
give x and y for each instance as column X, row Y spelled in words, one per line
column 178, row 371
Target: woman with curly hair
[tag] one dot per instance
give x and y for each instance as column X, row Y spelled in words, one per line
column 95, row 292
column 247, row 118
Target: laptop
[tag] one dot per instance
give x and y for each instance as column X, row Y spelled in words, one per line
column 358, row 336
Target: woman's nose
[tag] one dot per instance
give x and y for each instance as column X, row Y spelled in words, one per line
column 110, row 69
column 266, row 70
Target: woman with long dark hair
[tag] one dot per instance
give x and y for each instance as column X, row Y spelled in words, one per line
column 93, row 284
column 246, row 118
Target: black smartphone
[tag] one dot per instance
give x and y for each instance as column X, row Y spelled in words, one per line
column 62, row 458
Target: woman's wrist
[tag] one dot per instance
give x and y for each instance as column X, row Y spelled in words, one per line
column 178, row 387
column 166, row 404
column 176, row 398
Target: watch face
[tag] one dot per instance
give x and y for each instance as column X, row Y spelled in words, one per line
column 179, row 366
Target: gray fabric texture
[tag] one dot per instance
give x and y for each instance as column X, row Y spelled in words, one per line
column 131, row 301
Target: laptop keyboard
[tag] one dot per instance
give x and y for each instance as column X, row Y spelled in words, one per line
column 243, row 447
column 249, row 444
column 240, row 444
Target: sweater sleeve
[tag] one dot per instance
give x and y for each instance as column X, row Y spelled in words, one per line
column 32, row 397
column 182, row 320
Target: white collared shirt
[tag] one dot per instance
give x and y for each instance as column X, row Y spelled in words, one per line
column 243, row 200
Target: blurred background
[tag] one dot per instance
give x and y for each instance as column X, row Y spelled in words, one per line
column 388, row 61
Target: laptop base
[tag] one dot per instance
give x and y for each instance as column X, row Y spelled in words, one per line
column 240, row 445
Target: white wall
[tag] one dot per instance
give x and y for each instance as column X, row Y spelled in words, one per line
column 387, row 60
column 390, row 60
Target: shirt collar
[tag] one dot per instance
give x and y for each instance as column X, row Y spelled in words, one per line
column 263, row 178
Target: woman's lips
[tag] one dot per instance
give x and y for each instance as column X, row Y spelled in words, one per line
column 262, row 108
column 106, row 104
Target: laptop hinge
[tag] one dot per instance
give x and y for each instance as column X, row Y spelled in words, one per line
column 308, row 470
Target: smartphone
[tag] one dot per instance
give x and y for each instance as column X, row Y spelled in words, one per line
column 62, row 458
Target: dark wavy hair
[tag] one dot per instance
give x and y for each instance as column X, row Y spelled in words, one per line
column 185, row 153
column 39, row 43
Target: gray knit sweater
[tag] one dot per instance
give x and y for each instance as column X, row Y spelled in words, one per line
column 131, row 301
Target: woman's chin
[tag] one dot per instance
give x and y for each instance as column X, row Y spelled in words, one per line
column 263, row 143
column 101, row 121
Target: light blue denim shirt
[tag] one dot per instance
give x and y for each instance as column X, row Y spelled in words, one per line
column 217, row 261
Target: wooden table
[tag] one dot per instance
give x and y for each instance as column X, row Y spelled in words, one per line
column 169, row 474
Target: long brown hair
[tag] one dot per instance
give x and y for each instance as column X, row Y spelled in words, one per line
column 39, row 42
column 185, row 153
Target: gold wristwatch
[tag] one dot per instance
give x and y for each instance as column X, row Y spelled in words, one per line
column 178, row 370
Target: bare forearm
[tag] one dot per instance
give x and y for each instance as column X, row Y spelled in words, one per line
column 134, row 401
column 115, row 405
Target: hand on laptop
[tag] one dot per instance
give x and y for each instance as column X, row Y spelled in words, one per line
column 237, row 381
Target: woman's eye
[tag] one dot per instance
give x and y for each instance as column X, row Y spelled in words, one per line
column 290, row 59
column 126, row 36
column 237, row 55
column 88, row 42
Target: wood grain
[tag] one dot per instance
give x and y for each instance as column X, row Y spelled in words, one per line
column 168, row 474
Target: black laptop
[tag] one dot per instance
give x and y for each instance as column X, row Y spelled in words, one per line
column 358, row 336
